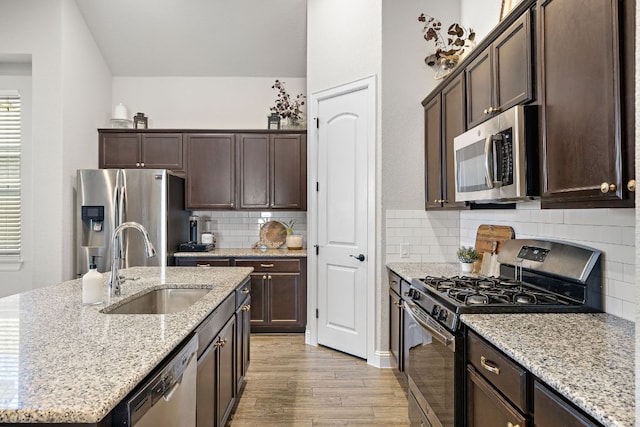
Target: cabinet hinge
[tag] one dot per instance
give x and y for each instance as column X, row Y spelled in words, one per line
column 317, row 249
column 317, row 186
column 317, row 313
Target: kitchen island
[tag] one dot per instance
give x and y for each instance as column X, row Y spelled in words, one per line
column 65, row 362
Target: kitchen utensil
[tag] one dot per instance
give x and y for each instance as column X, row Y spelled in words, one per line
column 272, row 235
column 494, row 265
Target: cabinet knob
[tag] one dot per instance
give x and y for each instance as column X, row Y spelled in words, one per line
column 245, row 291
column 631, row 185
column 605, row 187
column 397, row 304
column 203, row 265
column 245, row 307
column 510, row 424
column 142, row 164
column 137, row 164
column 264, row 277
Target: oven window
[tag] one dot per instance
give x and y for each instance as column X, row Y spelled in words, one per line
column 431, row 367
column 472, row 172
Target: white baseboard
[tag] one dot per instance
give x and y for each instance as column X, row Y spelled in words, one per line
column 381, row 359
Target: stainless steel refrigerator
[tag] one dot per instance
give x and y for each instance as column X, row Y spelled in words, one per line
column 108, row 197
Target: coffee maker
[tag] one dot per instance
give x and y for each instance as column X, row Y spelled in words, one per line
column 192, row 245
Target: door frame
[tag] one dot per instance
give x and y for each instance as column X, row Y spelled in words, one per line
column 369, row 84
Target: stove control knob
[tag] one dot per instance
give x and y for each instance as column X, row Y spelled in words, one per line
column 435, row 311
column 443, row 315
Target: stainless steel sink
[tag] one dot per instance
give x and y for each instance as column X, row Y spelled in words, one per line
column 160, row 301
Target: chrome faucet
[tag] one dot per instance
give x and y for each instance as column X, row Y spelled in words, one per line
column 150, row 251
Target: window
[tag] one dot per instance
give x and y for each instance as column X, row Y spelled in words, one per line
column 10, row 232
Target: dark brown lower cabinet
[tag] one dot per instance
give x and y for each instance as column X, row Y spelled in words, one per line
column 223, row 356
column 278, row 294
column 216, row 380
column 486, row 407
column 549, row 409
column 396, row 321
column 243, row 334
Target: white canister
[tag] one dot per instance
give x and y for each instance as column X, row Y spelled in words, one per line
column 120, row 112
column 207, row 238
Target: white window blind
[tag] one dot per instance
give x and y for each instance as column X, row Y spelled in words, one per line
column 10, row 233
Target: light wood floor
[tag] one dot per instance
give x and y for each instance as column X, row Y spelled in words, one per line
column 292, row 384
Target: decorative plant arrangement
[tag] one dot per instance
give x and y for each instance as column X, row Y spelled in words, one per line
column 448, row 54
column 285, row 107
column 467, row 256
column 294, row 241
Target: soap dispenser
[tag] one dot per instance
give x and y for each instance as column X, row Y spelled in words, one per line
column 92, row 285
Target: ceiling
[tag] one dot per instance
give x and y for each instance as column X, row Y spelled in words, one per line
column 243, row 38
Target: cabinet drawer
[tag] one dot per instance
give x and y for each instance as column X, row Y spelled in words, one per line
column 270, row 265
column 394, row 282
column 210, row 327
column 508, row 377
column 202, row 262
column 242, row 293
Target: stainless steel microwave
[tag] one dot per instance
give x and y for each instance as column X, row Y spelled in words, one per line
column 497, row 161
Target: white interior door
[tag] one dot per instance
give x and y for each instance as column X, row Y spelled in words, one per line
column 342, row 221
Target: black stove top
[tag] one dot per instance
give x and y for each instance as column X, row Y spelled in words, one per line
column 468, row 290
column 552, row 277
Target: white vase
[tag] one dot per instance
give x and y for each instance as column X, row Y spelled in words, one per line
column 294, row 241
column 466, row 267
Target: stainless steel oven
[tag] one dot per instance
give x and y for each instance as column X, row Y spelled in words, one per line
column 551, row 277
column 432, row 368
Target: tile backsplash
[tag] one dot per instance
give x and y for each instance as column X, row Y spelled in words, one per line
column 242, row 229
column 435, row 236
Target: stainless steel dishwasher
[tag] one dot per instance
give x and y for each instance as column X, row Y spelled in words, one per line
column 168, row 397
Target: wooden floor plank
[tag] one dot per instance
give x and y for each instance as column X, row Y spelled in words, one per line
column 293, row 384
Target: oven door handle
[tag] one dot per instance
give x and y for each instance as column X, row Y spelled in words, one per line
column 447, row 339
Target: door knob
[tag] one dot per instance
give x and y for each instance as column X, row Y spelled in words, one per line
column 358, row 257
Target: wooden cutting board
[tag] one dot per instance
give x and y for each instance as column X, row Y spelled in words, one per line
column 489, row 235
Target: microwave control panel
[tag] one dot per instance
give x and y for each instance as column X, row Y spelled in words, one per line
column 503, row 146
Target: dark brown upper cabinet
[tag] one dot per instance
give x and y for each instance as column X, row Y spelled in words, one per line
column 139, row 150
column 501, row 75
column 272, row 171
column 586, row 55
column 444, row 116
column 211, row 176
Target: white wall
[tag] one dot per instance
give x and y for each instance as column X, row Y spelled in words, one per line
column 33, row 28
column 202, row 102
column 86, row 105
column 36, row 28
column 482, row 16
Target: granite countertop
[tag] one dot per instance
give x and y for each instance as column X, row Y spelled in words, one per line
column 588, row 358
column 410, row 270
column 64, row 362
column 246, row 252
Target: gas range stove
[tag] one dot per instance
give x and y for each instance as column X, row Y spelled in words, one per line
column 535, row 276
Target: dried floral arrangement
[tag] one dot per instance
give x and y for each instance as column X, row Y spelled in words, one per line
column 284, row 106
column 459, row 41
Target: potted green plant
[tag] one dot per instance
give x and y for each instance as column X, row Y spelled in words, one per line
column 467, row 256
column 293, row 241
